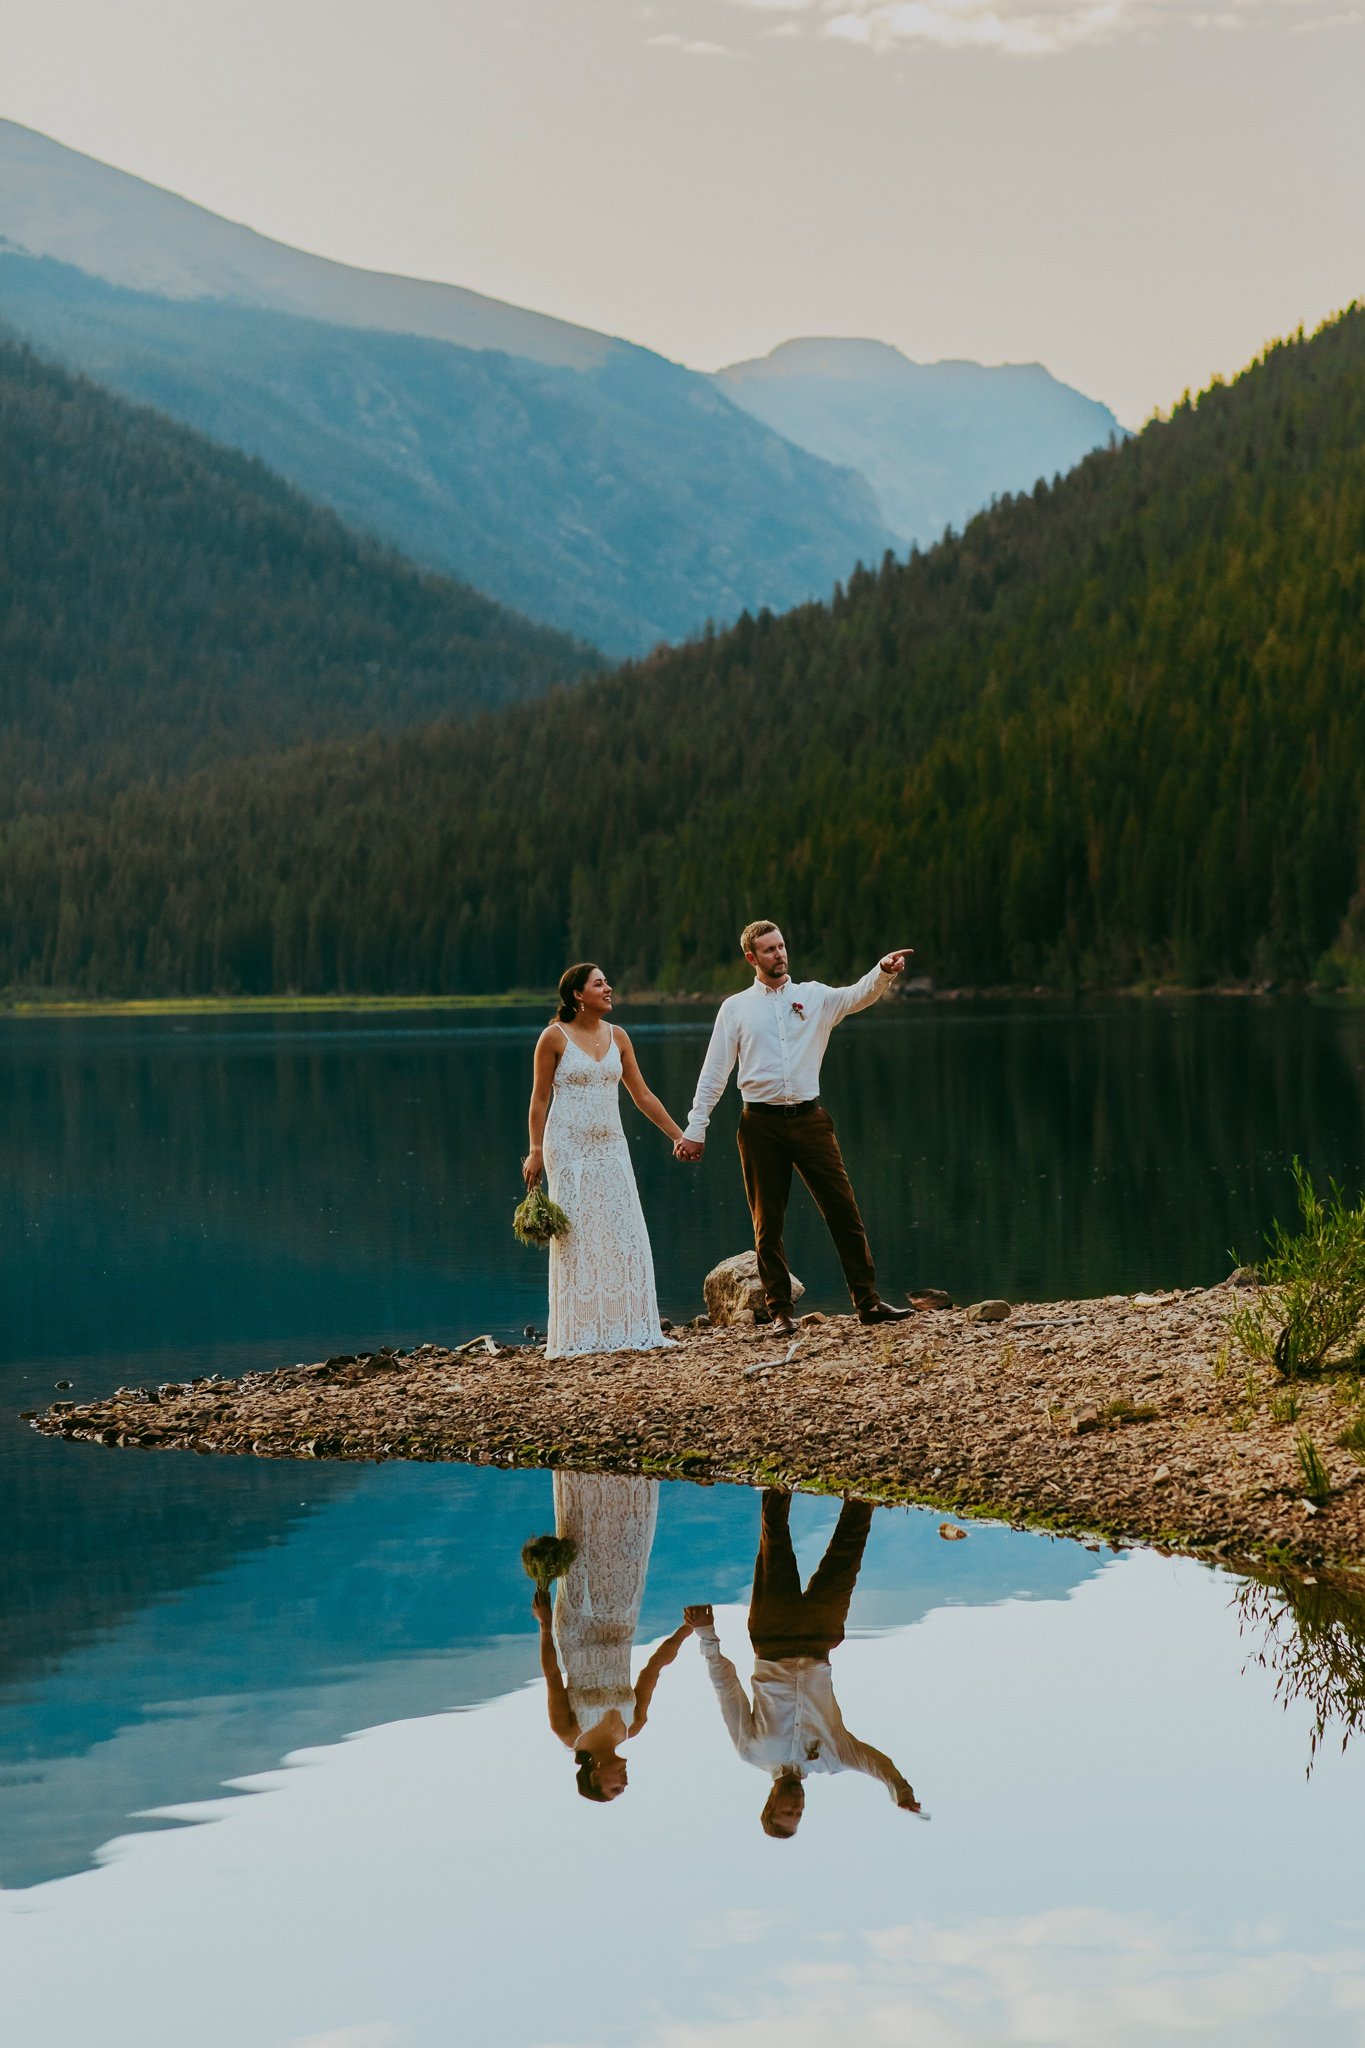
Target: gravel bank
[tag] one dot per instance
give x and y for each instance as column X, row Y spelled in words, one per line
column 1123, row 1417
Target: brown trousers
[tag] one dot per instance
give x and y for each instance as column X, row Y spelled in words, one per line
column 769, row 1148
column 784, row 1621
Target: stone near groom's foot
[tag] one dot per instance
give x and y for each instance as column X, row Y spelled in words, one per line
column 883, row 1312
column 782, row 1326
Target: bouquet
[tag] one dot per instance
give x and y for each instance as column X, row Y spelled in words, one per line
column 547, row 1557
column 537, row 1219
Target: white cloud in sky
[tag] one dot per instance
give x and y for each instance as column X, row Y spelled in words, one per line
column 1034, row 28
column 688, row 46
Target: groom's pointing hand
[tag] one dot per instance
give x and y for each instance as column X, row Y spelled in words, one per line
column 892, row 963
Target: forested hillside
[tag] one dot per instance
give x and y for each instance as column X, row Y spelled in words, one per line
column 1116, row 729
column 164, row 603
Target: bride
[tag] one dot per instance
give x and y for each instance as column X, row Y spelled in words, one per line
column 601, row 1270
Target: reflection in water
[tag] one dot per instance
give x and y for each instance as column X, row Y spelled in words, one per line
column 1312, row 1641
column 793, row 1727
column 594, row 1704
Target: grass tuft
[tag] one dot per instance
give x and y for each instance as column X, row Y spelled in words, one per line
column 1317, row 1481
column 1284, row 1405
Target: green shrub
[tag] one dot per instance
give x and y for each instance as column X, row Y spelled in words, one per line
column 1312, row 1296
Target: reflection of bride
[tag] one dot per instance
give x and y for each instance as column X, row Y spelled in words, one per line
column 594, row 1705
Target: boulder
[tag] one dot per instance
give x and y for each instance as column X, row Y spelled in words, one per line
column 930, row 1298
column 731, row 1289
column 988, row 1312
column 1244, row 1276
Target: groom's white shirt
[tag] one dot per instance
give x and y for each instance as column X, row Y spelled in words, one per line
column 779, row 1036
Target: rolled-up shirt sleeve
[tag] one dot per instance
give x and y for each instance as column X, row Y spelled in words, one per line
column 843, row 1002
column 861, row 1756
column 721, row 1055
column 735, row 1710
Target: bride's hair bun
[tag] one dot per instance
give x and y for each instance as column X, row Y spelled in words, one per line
column 571, row 984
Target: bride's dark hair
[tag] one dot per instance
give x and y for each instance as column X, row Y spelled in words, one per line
column 586, row 1778
column 571, row 983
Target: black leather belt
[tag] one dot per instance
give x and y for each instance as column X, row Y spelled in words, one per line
column 783, row 1108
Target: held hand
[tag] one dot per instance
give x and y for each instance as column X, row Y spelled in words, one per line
column 892, row 963
column 688, row 1150
column 532, row 1166
column 699, row 1617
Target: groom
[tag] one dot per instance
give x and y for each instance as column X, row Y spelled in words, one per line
column 778, row 1030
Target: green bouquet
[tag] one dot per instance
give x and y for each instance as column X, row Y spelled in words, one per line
column 537, row 1219
column 547, row 1557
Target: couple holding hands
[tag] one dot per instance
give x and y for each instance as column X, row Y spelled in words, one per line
column 602, row 1291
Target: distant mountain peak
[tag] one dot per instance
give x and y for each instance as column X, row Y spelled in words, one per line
column 935, row 440
column 814, row 355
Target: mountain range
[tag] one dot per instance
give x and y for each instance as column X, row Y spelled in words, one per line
column 577, row 478
column 1114, row 730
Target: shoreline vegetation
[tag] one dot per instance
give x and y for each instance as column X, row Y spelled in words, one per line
column 19, row 1005
column 1128, row 1419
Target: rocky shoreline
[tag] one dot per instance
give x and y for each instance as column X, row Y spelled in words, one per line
column 1128, row 1418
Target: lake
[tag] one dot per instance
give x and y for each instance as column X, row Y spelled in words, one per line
column 275, row 1757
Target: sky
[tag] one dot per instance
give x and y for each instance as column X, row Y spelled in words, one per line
column 1137, row 193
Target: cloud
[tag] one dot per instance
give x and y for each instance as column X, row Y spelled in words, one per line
column 382, row 2035
column 1080, row 1978
column 1035, row 28
column 688, row 46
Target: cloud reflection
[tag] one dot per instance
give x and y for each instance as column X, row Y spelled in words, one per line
column 1080, row 1978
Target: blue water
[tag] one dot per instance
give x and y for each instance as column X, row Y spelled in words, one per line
column 1112, row 1781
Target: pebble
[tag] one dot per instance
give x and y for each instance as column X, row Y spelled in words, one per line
column 1021, row 1430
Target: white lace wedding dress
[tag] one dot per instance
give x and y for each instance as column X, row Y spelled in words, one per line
column 597, row 1602
column 602, row 1270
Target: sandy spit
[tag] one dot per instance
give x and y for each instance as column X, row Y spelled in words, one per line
column 1016, row 1420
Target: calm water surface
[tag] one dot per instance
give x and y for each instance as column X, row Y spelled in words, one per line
column 1124, row 1845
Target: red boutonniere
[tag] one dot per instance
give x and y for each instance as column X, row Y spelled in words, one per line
column 797, row 1011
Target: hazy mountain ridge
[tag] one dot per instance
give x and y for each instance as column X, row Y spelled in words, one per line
column 570, row 475
column 60, row 203
column 936, row 441
column 627, row 504
column 1115, row 730
column 165, row 602
column 581, row 479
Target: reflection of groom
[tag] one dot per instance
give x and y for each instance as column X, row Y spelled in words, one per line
column 794, row 1726
column 778, row 1030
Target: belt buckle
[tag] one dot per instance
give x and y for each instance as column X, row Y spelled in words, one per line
column 791, row 1109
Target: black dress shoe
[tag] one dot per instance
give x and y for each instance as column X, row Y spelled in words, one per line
column 883, row 1312
column 782, row 1326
